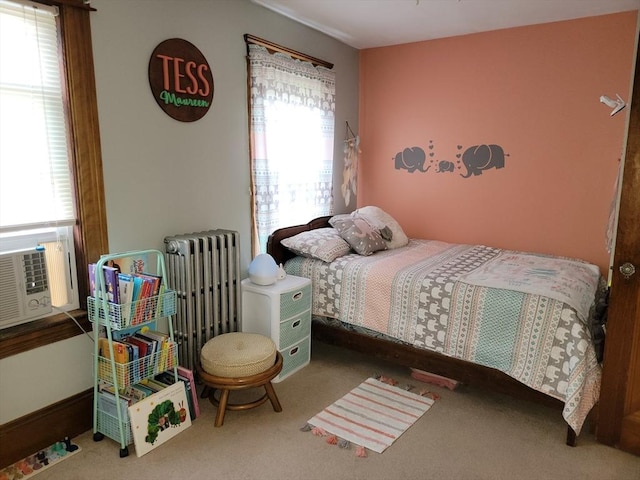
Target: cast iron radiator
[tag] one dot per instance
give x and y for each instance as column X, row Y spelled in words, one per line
column 204, row 270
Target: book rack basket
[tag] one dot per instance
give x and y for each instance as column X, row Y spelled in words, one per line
column 127, row 315
column 113, row 427
column 133, row 372
column 114, row 317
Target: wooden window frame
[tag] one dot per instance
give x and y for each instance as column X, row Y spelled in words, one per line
column 90, row 232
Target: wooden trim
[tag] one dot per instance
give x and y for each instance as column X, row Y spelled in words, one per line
column 38, row 333
column 68, row 3
column 83, row 101
column 623, row 329
column 33, row 432
column 74, row 415
column 274, row 47
column 91, row 231
column 630, row 437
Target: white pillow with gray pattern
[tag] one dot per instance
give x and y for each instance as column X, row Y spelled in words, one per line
column 362, row 237
column 324, row 244
column 380, row 219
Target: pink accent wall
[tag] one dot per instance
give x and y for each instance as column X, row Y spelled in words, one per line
column 534, row 91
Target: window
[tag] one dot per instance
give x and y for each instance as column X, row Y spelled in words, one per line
column 89, row 231
column 36, row 196
column 292, row 112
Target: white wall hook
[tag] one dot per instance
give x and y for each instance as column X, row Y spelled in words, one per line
column 616, row 105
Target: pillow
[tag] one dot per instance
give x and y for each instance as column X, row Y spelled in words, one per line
column 380, row 219
column 364, row 239
column 324, row 244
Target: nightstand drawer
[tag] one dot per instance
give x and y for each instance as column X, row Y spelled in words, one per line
column 294, row 358
column 295, row 329
column 295, row 301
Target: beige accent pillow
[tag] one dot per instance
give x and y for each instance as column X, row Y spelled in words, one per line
column 379, row 219
column 363, row 238
column 324, row 244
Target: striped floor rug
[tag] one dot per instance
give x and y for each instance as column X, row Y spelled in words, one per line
column 372, row 415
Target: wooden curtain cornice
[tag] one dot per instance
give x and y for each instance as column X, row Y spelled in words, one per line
column 274, row 47
column 68, row 3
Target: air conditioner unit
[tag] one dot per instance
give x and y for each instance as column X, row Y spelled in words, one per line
column 24, row 287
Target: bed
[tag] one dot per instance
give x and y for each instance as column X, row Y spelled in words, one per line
column 515, row 322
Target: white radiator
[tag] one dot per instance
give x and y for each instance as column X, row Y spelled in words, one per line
column 204, row 270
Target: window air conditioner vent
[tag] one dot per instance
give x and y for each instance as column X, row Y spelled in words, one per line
column 24, row 287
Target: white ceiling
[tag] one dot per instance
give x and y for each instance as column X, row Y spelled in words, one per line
column 375, row 23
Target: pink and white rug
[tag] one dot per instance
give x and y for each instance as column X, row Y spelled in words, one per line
column 372, row 415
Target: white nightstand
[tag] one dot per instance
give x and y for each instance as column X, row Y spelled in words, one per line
column 281, row 311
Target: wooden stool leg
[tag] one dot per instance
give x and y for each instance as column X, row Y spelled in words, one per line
column 206, row 391
column 273, row 397
column 222, row 406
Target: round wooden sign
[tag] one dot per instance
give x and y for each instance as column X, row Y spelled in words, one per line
column 181, row 80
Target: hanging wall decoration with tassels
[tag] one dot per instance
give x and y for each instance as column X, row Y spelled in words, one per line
column 350, row 172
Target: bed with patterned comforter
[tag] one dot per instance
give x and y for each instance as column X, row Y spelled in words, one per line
column 524, row 314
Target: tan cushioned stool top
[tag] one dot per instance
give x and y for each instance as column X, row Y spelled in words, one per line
column 238, row 354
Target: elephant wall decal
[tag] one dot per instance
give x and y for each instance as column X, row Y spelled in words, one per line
column 482, row 157
column 476, row 159
column 411, row 159
column 445, row 166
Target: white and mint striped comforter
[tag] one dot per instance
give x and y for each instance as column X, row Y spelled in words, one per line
column 523, row 314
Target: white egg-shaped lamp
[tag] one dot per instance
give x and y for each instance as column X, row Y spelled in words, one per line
column 263, row 270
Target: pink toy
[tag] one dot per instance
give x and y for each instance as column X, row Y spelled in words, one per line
column 434, row 379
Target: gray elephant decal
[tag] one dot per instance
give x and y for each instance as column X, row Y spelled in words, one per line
column 482, row 157
column 445, row 166
column 411, row 159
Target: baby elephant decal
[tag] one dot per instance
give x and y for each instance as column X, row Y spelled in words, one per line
column 445, row 166
column 482, row 157
column 411, row 159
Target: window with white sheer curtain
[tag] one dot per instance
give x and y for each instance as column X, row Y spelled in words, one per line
column 36, row 184
column 292, row 118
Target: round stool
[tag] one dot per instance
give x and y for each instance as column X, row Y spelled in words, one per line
column 238, row 361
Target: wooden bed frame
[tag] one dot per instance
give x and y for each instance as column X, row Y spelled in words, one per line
column 406, row 355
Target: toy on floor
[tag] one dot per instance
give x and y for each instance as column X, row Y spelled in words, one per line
column 32, row 464
column 434, row 379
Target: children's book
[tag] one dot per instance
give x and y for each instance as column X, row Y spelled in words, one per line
column 169, row 378
column 111, row 284
column 150, row 289
column 109, row 281
column 107, row 403
column 188, row 374
column 157, row 419
column 137, row 288
column 134, row 264
column 143, row 390
column 125, row 291
column 92, row 280
column 144, row 350
column 134, row 358
column 120, row 352
column 121, row 334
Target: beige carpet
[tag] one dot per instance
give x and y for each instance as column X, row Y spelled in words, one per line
column 467, row 434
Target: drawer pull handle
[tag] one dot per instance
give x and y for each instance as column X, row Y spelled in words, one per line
column 295, row 324
column 297, row 296
column 293, row 351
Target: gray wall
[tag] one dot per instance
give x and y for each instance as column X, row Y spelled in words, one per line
column 164, row 177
